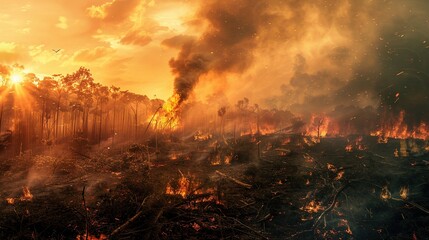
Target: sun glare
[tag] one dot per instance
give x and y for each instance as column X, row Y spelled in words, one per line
column 16, row 78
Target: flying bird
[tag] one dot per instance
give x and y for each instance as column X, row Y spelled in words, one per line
column 56, row 50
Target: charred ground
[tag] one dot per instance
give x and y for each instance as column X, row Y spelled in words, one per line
column 275, row 186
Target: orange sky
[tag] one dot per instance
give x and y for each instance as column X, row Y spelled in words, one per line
column 276, row 52
column 119, row 40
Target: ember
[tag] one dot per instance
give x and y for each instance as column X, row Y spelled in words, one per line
column 312, row 207
column 10, row 200
column 403, row 193
column 385, row 194
column 26, row 194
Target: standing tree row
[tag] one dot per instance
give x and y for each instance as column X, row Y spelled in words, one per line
column 59, row 108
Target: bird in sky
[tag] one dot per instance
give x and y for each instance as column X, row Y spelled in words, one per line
column 56, row 50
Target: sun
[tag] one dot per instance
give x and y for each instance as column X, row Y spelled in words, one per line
column 16, row 78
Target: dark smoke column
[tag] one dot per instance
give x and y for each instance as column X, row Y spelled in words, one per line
column 225, row 46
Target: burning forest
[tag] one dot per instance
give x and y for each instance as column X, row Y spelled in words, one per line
column 222, row 119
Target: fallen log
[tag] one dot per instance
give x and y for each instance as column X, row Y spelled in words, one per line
column 248, row 186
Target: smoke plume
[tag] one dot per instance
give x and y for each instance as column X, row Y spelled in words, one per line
column 312, row 56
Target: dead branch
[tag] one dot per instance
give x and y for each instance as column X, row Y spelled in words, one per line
column 421, row 208
column 249, row 228
column 417, row 206
column 331, row 206
column 248, row 186
column 132, row 219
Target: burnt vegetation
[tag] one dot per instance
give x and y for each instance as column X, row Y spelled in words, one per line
column 91, row 162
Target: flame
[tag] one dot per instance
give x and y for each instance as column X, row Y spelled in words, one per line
column 312, row 207
column 356, row 145
column 345, row 223
column 173, row 156
column 319, row 126
column 396, row 152
column 216, row 160
column 385, row 194
column 399, row 129
column 182, row 190
column 262, row 129
column 219, row 159
column 187, row 186
column 349, row 147
column 91, row 237
column 403, row 193
column 169, row 116
column 227, row 160
column 331, row 167
column 26, row 194
column 339, row 175
column 10, row 201
column 286, row 141
column 199, row 136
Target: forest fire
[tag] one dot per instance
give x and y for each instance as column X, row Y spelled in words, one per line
column 399, row 129
column 187, row 186
column 356, row 144
column 169, row 118
column 318, row 126
column 241, row 119
column 183, row 187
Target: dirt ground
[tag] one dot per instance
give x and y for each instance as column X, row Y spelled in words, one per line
column 254, row 187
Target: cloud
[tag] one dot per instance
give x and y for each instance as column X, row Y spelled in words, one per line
column 178, row 41
column 9, row 52
column 89, row 55
column 7, row 47
column 114, row 11
column 39, row 53
column 62, row 23
column 136, row 38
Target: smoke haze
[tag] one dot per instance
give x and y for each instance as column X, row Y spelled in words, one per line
column 309, row 56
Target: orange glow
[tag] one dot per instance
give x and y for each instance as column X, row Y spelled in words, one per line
column 312, row 207
column 385, row 194
column 169, row 116
column 339, row 175
column 345, row 223
column 320, row 126
column 331, row 167
column 349, row 148
column 91, row 237
column 399, row 130
column 26, row 194
column 16, row 78
column 356, row 145
column 403, row 193
column 187, row 186
column 183, row 187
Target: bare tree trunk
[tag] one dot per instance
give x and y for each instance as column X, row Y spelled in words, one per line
column 114, row 122
column 43, row 118
column 99, row 127
column 57, row 118
column 136, row 118
column 1, row 115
